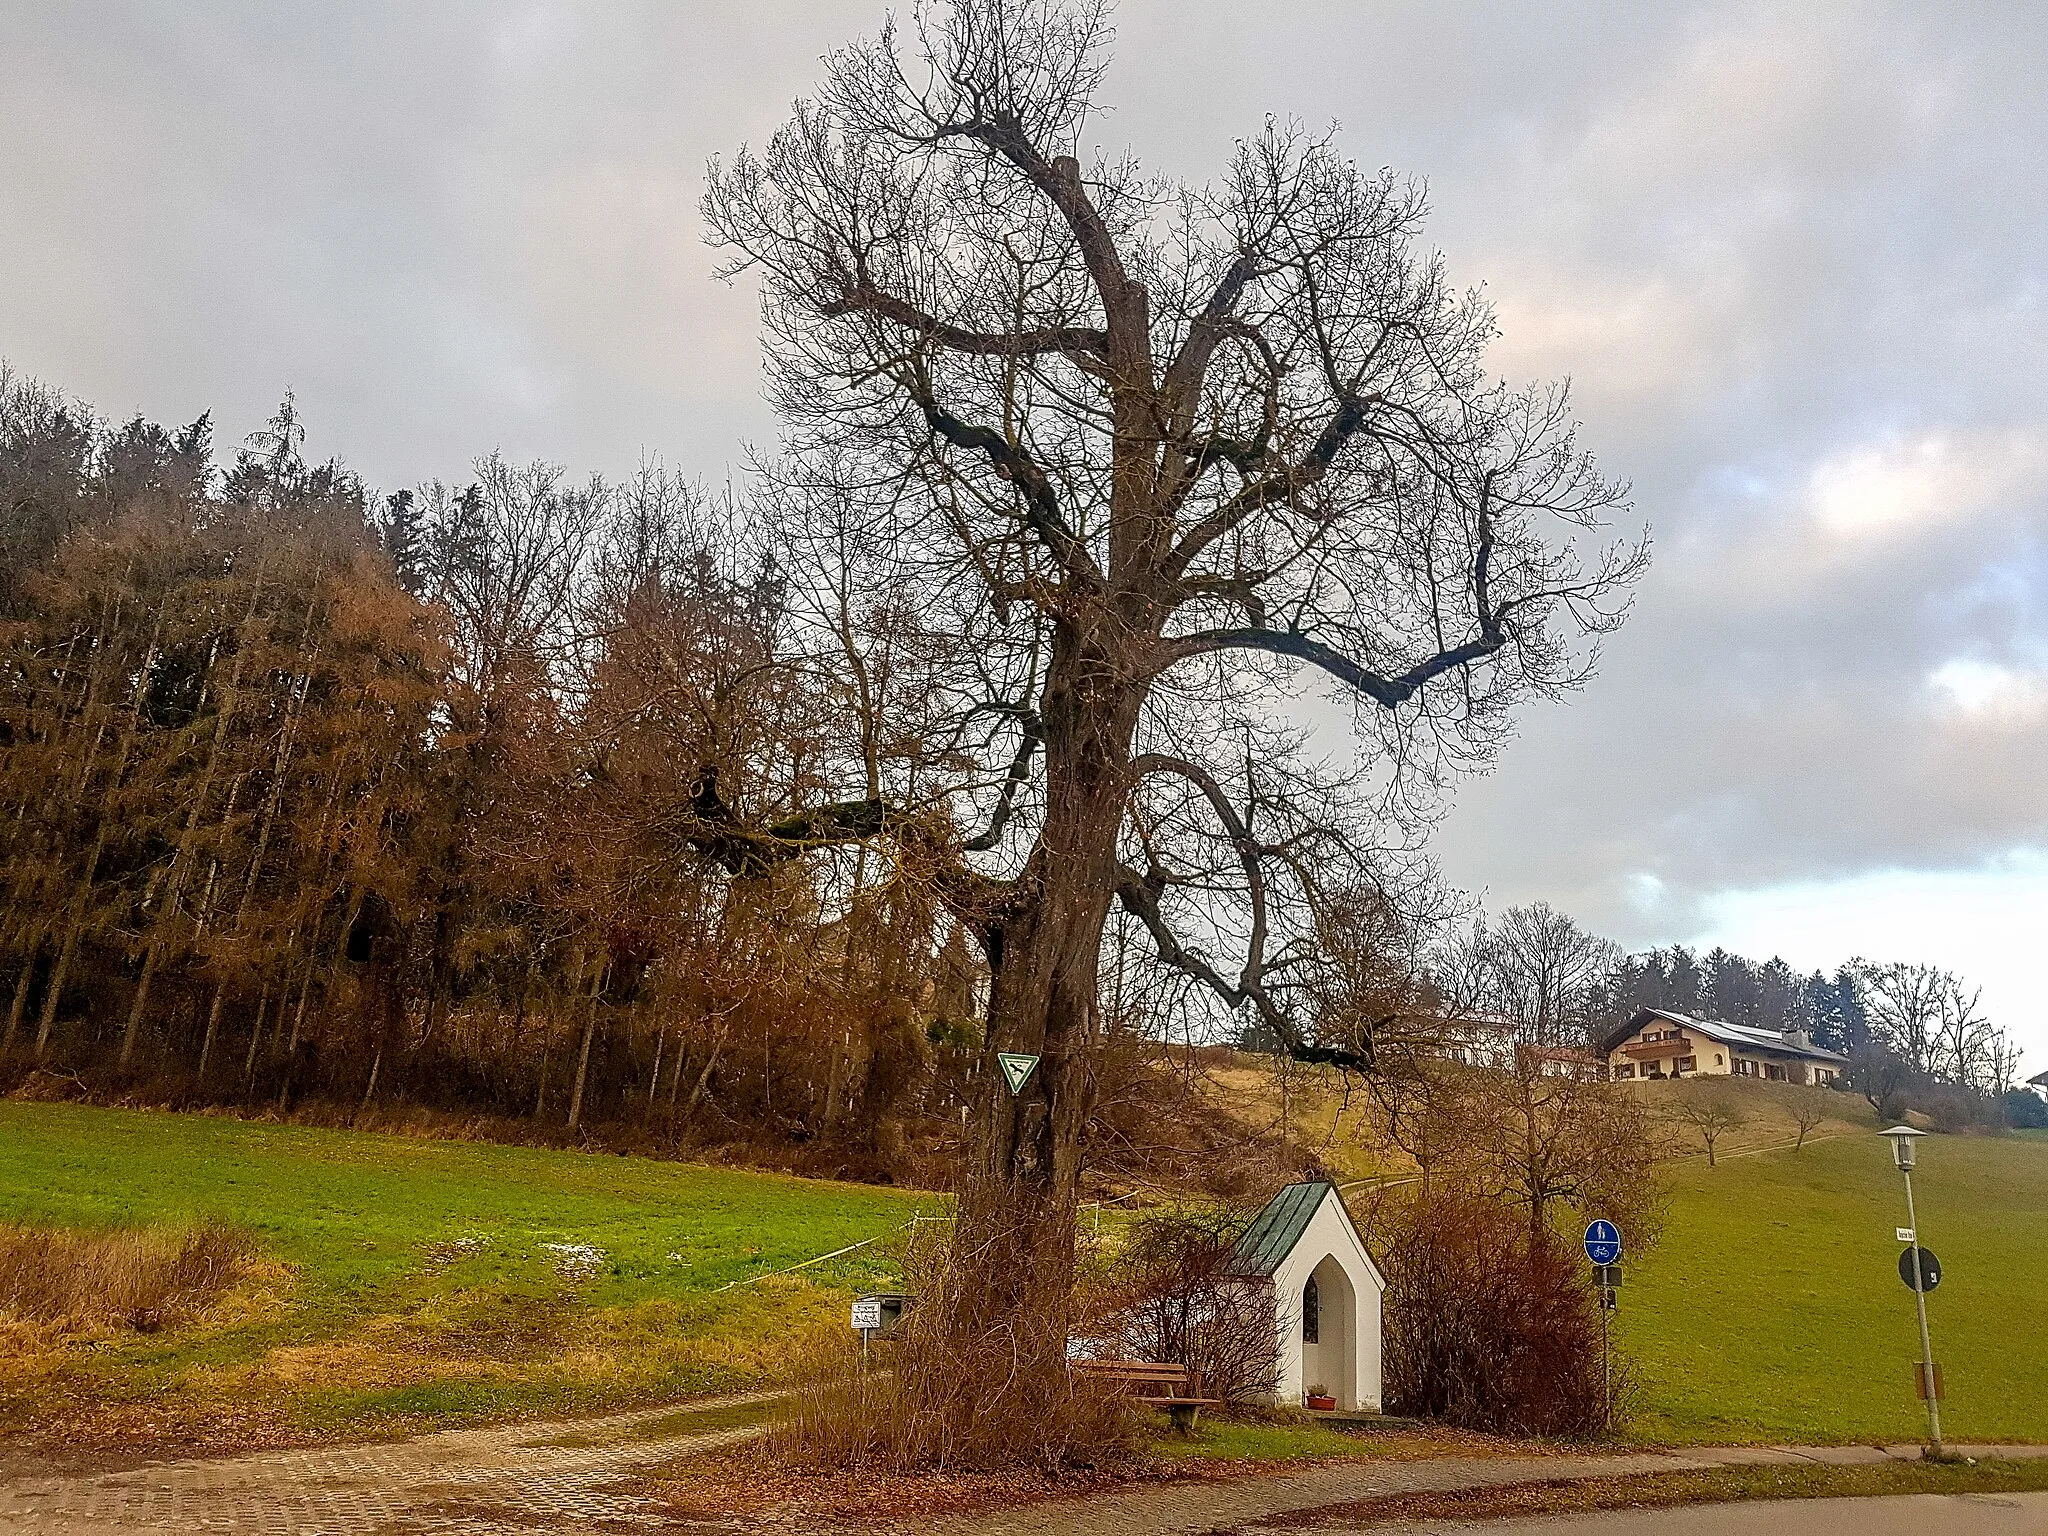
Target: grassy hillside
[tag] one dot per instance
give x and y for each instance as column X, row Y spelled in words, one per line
column 422, row 1279
column 1773, row 1307
column 418, row 1282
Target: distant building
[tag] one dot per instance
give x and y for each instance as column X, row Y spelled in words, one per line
column 1658, row 1044
column 2040, row 1081
column 1489, row 1040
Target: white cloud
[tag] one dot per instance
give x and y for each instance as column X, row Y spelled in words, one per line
column 1990, row 691
column 1919, row 484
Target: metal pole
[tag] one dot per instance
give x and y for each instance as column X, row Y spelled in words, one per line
column 1606, row 1374
column 1920, row 1304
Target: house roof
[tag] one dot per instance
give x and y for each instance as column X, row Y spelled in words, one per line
column 2039, row 1080
column 1265, row 1244
column 1745, row 1035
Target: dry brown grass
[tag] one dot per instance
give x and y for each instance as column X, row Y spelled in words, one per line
column 921, row 1408
column 136, row 1279
column 950, row 1394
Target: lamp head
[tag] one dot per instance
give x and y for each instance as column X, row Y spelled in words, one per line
column 1902, row 1138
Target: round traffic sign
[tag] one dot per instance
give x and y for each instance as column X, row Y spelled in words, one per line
column 1930, row 1269
column 1603, row 1242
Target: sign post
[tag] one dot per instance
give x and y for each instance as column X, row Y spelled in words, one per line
column 1922, row 1273
column 1603, row 1251
column 866, row 1318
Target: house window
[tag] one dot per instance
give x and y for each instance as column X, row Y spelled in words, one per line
column 1311, row 1313
column 1717, row 1058
column 1625, row 1070
column 1686, row 1063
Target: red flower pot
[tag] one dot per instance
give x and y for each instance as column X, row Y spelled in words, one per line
column 1322, row 1401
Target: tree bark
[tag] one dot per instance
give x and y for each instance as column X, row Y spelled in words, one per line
column 21, row 986
column 583, row 1056
column 1014, row 1242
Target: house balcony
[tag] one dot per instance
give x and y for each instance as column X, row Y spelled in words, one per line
column 1657, row 1049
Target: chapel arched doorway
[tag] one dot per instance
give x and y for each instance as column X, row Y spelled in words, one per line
column 1329, row 1327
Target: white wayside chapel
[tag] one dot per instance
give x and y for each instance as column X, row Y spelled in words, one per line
column 1325, row 1293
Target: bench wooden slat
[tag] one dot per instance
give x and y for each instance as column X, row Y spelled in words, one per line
column 1146, row 1378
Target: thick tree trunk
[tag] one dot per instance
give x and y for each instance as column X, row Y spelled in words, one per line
column 1014, row 1242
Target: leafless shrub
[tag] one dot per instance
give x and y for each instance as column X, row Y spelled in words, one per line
column 143, row 1279
column 946, row 1398
column 1488, row 1326
column 1171, row 1296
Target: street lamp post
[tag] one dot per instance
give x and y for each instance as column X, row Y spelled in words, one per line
column 1902, row 1138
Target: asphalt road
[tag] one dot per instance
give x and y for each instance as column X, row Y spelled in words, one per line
column 1921, row 1514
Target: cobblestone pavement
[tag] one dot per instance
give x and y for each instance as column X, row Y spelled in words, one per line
column 572, row 1477
column 471, row 1482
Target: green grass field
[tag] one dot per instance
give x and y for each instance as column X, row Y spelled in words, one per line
column 422, row 1289
column 423, row 1286
column 1773, row 1309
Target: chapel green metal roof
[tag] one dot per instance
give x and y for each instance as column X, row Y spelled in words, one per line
column 1270, row 1238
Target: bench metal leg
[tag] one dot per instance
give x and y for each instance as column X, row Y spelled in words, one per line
column 1183, row 1415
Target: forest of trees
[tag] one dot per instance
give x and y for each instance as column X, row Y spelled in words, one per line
column 311, row 792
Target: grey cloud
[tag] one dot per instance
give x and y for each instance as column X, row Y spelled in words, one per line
column 1791, row 255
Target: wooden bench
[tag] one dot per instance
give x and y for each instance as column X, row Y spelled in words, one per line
column 1156, row 1383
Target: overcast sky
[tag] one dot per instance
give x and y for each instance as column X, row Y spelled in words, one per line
column 1792, row 257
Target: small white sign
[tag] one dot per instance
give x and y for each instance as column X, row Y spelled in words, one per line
column 867, row 1313
column 1905, row 1234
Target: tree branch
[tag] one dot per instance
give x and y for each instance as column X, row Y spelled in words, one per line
column 1014, row 780
column 1182, row 386
column 1387, row 691
column 862, row 297
column 746, row 852
column 1139, row 896
column 1060, row 180
column 1283, row 484
column 1383, row 690
column 1012, row 463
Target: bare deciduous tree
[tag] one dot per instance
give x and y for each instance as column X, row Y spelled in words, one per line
column 1810, row 1110
column 1710, row 1116
column 1534, row 969
column 1904, row 1005
column 1136, row 456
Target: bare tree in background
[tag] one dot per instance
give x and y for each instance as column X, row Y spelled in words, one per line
column 1904, row 1005
column 1810, row 1110
column 1967, row 1048
column 1710, row 1116
column 1933, row 1021
column 1128, row 459
column 1534, row 970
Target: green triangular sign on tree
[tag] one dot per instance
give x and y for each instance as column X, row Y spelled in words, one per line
column 1015, row 1069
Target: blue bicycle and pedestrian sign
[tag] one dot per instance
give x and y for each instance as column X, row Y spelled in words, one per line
column 1603, row 1242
